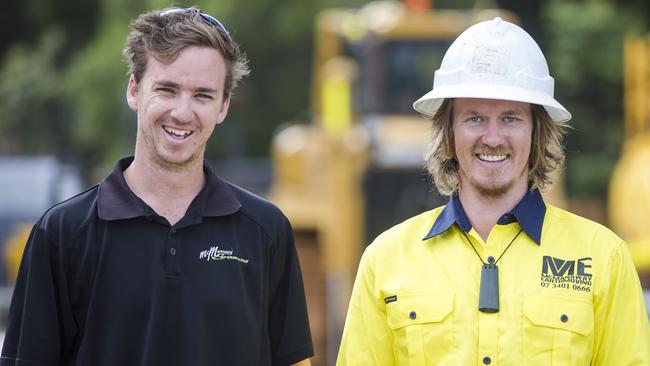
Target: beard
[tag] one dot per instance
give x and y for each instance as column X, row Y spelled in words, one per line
column 494, row 191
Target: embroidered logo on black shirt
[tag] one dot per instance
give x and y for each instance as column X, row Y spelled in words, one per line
column 216, row 254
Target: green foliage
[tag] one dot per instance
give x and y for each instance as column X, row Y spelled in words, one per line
column 588, row 172
column 62, row 86
column 584, row 49
column 88, row 87
column 26, row 21
column 31, row 105
column 102, row 125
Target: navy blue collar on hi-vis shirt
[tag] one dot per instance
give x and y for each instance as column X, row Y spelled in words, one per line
column 529, row 212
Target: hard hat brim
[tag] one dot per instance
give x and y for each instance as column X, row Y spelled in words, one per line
column 430, row 102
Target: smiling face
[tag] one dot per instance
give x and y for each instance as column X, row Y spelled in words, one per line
column 178, row 106
column 492, row 143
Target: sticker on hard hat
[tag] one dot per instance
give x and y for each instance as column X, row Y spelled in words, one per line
column 489, row 60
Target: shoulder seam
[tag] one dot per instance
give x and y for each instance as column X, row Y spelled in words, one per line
column 245, row 210
column 75, row 232
column 249, row 216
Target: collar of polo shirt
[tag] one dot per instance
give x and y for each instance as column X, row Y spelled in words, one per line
column 116, row 201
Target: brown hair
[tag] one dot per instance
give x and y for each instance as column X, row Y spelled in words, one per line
column 163, row 35
column 546, row 153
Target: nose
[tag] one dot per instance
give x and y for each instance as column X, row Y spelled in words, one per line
column 182, row 111
column 492, row 135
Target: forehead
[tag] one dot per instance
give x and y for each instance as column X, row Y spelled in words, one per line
column 193, row 65
column 474, row 105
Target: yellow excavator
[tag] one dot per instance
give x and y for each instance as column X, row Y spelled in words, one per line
column 629, row 194
column 356, row 168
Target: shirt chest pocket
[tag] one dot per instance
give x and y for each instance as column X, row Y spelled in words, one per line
column 557, row 331
column 422, row 328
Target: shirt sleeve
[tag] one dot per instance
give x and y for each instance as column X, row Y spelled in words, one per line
column 622, row 331
column 288, row 322
column 367, row 339
column 36, row 334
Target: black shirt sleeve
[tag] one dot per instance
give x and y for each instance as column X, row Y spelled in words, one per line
column 288, row 321
column 40, row 326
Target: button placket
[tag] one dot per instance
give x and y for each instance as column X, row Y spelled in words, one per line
column 488, row 322
column 171, row 254
column 490, row 250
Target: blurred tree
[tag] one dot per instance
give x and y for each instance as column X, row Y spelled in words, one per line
column 31, row 104
column 584, row 50
column 102, row 126
column 276, row 38
column 67, row 71
column 25, row 22
column 529, row 16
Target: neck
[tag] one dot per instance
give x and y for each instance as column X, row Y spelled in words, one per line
column 168, row 191
column 483, row 212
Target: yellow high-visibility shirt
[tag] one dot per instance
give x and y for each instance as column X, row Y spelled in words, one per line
column 568, row 294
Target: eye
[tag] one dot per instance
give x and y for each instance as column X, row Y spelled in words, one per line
column 474, row 119
column 204, row 96
column 510, row 119
column 165, row 89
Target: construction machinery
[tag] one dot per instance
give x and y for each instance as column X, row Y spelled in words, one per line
column 629, row 194
column 356, row 168
column 30, row 185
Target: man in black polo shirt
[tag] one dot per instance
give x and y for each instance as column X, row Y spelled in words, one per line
column 163, row 263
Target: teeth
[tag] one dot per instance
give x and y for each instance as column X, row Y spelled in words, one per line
column 177, row 133
column 486, row 157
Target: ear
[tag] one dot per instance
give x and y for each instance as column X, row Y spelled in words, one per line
column 224, row 110
column 132, row 93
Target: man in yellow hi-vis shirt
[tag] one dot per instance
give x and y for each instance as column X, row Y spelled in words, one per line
column 495, row 277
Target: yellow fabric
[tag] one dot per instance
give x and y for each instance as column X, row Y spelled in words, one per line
column 564, row 317
column 13, row 250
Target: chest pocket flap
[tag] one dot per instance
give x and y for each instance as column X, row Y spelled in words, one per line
column 572, row 315
column 418, row 309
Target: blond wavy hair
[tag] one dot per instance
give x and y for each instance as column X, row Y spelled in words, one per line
column 163, row 37
column 546, row 153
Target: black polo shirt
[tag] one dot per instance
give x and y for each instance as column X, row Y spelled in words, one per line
column 106, row 281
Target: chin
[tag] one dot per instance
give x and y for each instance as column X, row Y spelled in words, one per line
column 492, row 190
column 175, row 162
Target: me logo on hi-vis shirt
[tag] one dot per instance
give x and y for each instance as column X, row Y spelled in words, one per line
column 566, row 274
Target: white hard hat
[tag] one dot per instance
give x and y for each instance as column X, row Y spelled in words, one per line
column 494, row 59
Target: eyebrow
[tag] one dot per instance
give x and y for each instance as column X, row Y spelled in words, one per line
column 510, row 112
column 469, row 112
column 170, row 84
column 515, row 112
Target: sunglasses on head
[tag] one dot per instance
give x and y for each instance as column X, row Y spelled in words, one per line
column 207, row 17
